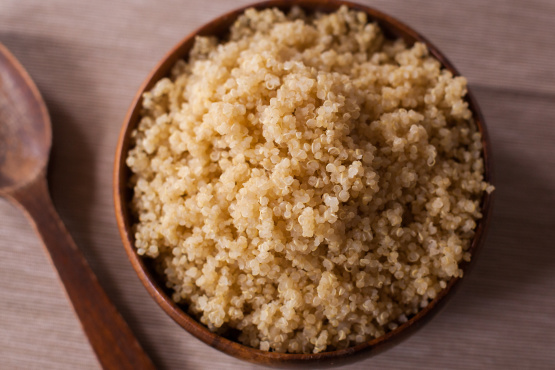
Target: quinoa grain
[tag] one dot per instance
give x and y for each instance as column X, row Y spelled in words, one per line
column 307, row 182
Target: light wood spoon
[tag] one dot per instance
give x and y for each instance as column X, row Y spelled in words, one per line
column 25, row 141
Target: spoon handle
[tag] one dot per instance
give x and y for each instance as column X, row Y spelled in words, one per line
column 115, row 345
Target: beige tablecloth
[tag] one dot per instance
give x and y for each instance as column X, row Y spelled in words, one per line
column 89, row 57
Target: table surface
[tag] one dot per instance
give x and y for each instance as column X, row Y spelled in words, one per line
column 89, row 57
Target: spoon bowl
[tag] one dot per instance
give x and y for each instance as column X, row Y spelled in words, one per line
column 25, row 129
column 25, row 141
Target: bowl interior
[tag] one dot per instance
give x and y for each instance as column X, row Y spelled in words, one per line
column 155, row 283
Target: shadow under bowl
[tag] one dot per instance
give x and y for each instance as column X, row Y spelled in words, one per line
column 155, row 284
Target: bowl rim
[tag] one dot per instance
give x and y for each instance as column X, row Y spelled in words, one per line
column 121, row 193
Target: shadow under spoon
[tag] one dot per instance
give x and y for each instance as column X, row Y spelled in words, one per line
column 25, row 141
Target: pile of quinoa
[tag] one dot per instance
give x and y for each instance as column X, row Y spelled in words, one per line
column 307, row 182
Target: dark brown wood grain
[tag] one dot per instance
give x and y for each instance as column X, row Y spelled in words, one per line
column 25, row 139
column 153, row 283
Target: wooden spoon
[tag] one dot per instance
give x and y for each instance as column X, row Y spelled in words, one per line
column 25, row 141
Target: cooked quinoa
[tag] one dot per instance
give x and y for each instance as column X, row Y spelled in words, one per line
column 307, row 182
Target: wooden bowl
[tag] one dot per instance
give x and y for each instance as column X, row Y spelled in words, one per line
column 155, row 284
